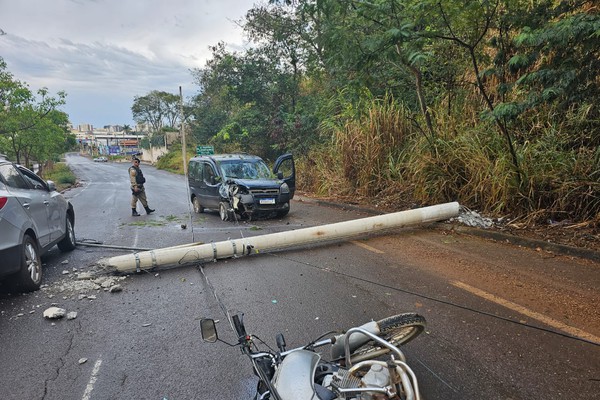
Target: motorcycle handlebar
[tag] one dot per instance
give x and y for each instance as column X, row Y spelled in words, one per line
column 238, row 324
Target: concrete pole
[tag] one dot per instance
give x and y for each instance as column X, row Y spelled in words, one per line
column 194, row 253
column 182, row 127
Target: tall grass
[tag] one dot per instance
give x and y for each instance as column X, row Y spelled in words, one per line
column 60, row 174
column 381, row 155
column 173, row 160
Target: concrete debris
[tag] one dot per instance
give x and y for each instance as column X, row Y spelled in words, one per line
column 65, row 262
column 85, row 276
column 115, row 289
column 72, row 315
column 84, row 283
column 474, row 219
column 82, row 360
column 111, row 281
column 54, row 313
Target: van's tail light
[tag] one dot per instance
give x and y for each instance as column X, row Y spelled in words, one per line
column 3, row 201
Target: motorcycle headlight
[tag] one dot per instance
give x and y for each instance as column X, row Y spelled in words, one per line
column 284, row 188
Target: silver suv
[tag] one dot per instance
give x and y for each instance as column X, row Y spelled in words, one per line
column 33, row 218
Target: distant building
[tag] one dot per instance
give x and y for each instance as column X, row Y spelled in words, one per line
column 85, row 128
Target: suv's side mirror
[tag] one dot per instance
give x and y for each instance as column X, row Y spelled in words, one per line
column 51, row 186
column 209, row 330
column 279, row 175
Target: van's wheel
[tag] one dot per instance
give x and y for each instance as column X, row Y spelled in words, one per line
column 197, row 206
column 29, row 278
column 223, row 211
column 68, row 243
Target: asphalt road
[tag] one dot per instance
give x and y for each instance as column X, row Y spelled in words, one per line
column 504, row 322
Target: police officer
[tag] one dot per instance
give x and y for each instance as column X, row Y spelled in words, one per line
column 137, row 188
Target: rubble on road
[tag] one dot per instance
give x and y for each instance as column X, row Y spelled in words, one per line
column 54, row 313
column 473, row 218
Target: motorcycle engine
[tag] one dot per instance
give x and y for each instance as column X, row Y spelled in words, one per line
column 377, row 376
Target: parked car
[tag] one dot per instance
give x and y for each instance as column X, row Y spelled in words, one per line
column 33, row 218
column 100, row 159
column 241, row 185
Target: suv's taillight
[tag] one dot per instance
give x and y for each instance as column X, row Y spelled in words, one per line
column 3, row 201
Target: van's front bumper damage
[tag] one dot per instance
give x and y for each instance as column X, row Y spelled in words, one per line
column 254, row 203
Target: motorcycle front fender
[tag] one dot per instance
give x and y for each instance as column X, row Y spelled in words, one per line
column 294, row 379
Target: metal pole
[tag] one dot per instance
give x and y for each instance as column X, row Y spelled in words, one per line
column 182, row 127
column 173, row 256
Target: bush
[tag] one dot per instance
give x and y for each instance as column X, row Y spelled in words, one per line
column 173, row 160
column 61, row 175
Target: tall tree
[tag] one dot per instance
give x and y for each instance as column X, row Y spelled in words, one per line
column 31, row 124
column 158, row 109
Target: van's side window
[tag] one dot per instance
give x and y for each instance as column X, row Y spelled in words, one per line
column 209, row 174
column 194, row 171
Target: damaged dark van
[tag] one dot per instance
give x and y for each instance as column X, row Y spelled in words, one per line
column 241, row 186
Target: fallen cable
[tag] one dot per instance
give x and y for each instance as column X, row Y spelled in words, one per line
column 99, row 244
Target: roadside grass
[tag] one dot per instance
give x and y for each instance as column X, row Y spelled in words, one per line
column 173, row 160
column 61, row 175
column 149, row 222
column 155, row 222
column 377, row 157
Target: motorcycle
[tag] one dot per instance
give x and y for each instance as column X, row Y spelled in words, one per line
column 365, row 362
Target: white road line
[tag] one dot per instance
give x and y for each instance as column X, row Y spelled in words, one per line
column 366, row 246
column 90, row 385
column 530, row 313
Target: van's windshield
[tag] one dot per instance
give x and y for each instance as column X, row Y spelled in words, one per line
column 245, row 169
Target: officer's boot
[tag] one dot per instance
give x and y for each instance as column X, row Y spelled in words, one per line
column 149, row 210
column 134, row 213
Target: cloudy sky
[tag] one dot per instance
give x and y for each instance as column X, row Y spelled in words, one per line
column 102, row 53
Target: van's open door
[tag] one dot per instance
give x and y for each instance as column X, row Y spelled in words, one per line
column 285, row 165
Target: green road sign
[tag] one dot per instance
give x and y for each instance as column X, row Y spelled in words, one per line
column 205, row 150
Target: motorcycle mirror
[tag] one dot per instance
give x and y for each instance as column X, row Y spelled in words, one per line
column 209, row 330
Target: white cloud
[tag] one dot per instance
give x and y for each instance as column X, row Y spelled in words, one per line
column 105, row 52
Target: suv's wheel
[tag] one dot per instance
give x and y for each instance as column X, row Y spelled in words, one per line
column 68, row 243
column 29, row 278
column 197, row 206
column 223, row 212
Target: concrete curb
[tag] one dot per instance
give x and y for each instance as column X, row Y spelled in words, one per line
column 483, row 233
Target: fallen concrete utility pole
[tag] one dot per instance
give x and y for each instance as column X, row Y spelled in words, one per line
column 190, row 254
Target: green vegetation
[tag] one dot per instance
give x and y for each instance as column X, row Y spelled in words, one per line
column 61, row 175
column 32, row 129
column 147, row 222
column 173, row 161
